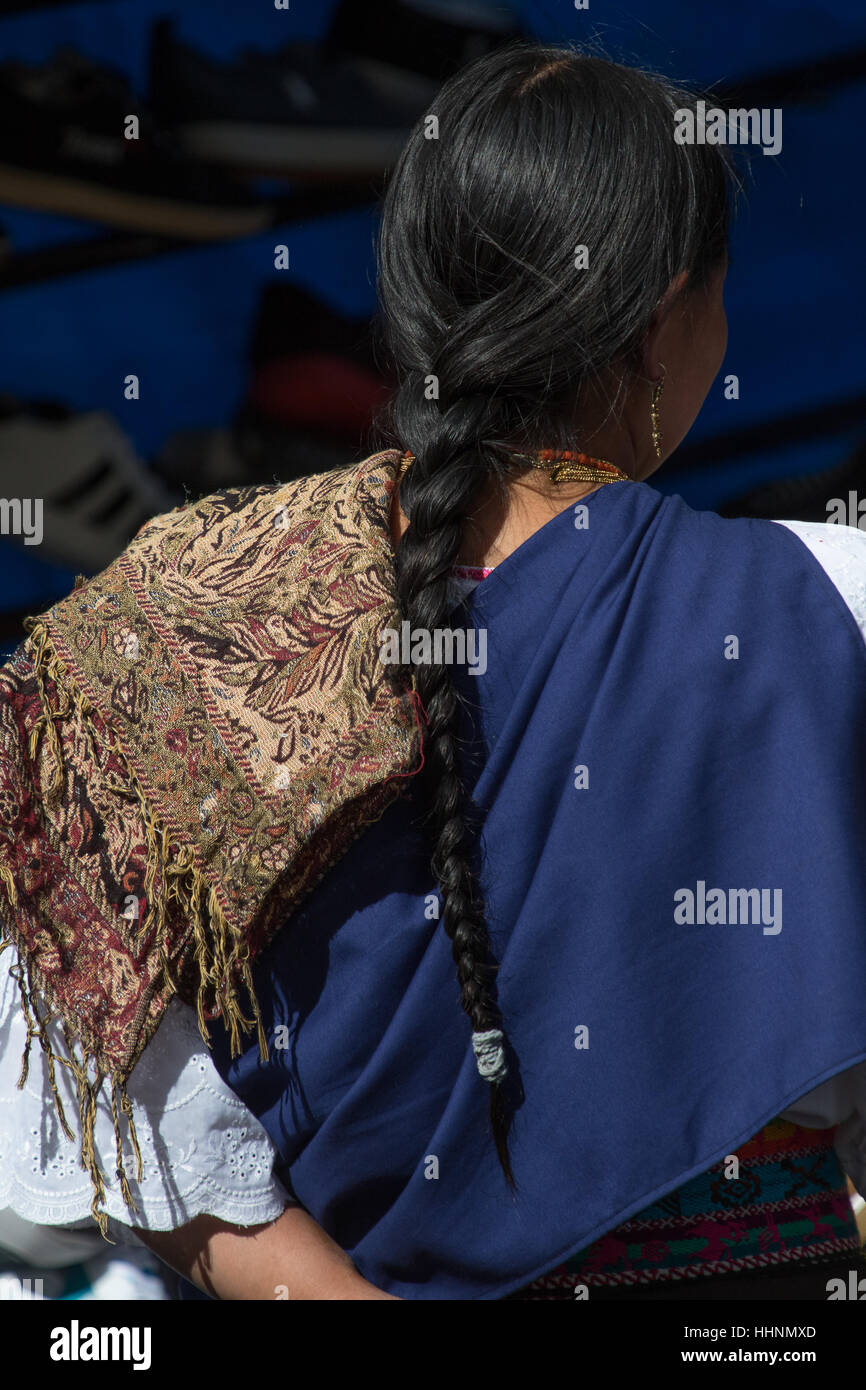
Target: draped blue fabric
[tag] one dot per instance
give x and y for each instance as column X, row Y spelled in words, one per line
column 711, row 681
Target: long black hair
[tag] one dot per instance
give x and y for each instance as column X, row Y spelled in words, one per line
column 493, row 327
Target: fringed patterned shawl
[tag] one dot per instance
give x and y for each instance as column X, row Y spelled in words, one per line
column 188, row 742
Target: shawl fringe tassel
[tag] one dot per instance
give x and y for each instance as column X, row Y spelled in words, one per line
column 220, row 954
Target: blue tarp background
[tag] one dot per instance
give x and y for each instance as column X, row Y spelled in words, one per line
column 796, row 292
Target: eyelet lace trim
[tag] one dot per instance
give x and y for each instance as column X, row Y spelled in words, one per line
column 202, row 1150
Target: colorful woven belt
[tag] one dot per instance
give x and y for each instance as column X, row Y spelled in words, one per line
column 789, row 1204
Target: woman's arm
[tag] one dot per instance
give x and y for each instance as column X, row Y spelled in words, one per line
column 291, row 1257
column 278, row 1252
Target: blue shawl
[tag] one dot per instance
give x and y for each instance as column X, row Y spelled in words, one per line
column 669, row 749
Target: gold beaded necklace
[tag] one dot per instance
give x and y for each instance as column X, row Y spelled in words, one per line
column 565, row 466
column 571, row 467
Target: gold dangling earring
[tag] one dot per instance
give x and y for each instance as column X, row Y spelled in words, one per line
column 654, row 413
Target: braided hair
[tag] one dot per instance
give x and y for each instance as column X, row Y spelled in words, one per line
column 492, row 332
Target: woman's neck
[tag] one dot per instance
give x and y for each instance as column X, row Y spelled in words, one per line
column 498, row 525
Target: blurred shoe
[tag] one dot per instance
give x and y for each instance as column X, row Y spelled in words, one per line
column 406, row 38
column 313, row 367
column 62, row 149
column 317, row 391
column 246, row 454
column 314, row 387
column 290, row 112
column 95, row 491
column 291, row 319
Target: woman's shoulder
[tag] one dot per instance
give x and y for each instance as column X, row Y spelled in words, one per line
column 840, row 550
column 841, row 553
column 762, row 545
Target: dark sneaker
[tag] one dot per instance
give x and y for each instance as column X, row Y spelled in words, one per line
column 309, row 405
column 313, row 367
column 290, row 112
column 409, row 39
column 63, row 149
column 318, row 391
column 245, row 454
column 292, row 319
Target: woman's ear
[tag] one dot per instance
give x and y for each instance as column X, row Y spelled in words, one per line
column 651, row 354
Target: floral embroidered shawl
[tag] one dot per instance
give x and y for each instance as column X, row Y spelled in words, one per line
column 188, row 741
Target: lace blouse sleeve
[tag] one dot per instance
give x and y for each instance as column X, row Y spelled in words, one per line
column 202, row 1151
column 841, row 553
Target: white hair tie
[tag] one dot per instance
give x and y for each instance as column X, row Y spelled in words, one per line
column 490, row 1054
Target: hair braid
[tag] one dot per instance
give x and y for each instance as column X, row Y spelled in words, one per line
column 436, row 494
